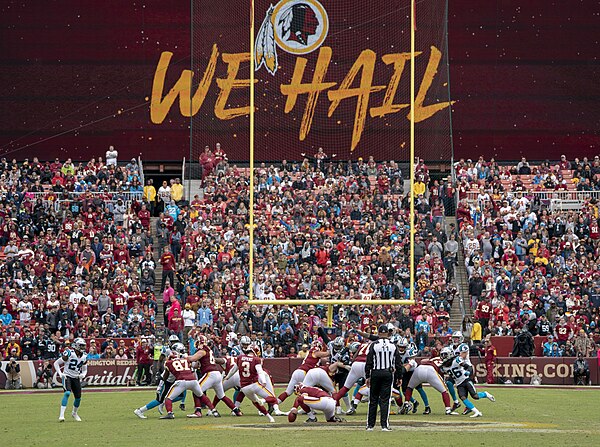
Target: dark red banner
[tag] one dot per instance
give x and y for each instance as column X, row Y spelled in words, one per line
column 79, row 76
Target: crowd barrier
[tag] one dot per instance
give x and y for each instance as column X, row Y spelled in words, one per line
column 111, row 372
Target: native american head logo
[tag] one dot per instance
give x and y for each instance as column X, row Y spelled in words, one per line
column 295, row 26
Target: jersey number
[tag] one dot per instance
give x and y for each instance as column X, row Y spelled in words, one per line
column 74, row 365
column 245, row 369
column 181, row 365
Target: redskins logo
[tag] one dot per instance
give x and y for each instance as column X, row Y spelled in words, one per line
column 295, row 26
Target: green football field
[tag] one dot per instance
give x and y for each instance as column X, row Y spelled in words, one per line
column 519, row 417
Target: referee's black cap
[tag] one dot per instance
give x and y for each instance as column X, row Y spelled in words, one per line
column 383, row 329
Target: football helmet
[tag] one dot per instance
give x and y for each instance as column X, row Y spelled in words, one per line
column 338, row 344
column 173, row 339
column 179, row 348
column 457, row 338
column 245, row 343
column 79, row 344
column 298, row 388
column 412, row 351
column 402, row 345
column 354, row 346
column 463, row 347
column 446, row 353
column 317, row 344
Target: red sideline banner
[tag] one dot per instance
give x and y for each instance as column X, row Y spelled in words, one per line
column 111, row 372
column 553, row 371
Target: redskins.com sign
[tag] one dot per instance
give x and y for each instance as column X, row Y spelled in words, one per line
column 334, row 76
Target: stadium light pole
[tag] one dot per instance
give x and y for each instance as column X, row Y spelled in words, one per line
column 412, row 150
column 251, row 190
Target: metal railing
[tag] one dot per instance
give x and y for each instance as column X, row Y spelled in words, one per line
column 547, row 196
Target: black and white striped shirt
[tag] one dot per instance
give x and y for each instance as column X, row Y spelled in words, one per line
column 383, row 356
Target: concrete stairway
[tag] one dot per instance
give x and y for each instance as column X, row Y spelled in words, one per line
column 157, row 273
column 462, row 283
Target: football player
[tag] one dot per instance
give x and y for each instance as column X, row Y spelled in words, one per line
column 357, row 370
column 315, row 354
column 311, row 399
column 253, row 381
column 212, row 377
column 456, row 340
column 163, row 385
column 409, row 351
column 461, row 370
column 74, row 363
column 185, row 379
column 428, row 372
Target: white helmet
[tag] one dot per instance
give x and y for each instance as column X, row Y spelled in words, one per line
column 173, row 339
column 245, row 343
column 446, row 353
column 402, row 345
column 457, row 338
column 338, row 343
column 463, row 347
column 354, row 346
column 79, row 344
column 179, row 348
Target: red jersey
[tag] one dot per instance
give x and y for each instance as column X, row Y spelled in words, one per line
column 230, row 361
column 207, row 361
column 484, row 310
column 310, row 361
column 436, row 362
column 563, row 332
column 181, row 369
column 361, row 355
column 312, row 393
column 247, row 368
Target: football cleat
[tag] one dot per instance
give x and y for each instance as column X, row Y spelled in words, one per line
column 450, row 412
column 214, row 413
column 490, row 397
column 76, row 417
column 467, row 411
column 270, row 418
column 406, row 408
column 388, row 428
column 476, row 413
column 369, row 428
column 336, row 419
column 195, row 414
column 61, row 419
column 139, row 413
column 236, row 412
column 351, row 411
column 415, row 406
column 310, row 420
column 182, row 407
column 427, row 410
column 169, row 415
column 455, row 405
column 278, row 412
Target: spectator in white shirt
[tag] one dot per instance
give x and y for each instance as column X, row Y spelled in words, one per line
column 111, row 156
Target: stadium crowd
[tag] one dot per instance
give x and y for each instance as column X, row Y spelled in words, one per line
column 79, row 257
column 532, row 268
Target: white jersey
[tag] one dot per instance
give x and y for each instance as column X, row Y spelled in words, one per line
column 73, row 365
column 459, row 369
column 411, row 362
column 456, row 349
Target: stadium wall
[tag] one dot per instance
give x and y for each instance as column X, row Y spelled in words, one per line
column 111, row 372
column 78, row 76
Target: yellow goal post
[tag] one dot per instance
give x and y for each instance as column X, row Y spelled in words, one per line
column 331, row 303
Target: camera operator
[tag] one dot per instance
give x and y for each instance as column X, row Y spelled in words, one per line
column 581, row 370
column 13, row 375
column 44, row 375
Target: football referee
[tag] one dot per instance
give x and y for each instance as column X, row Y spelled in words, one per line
column 381, row 373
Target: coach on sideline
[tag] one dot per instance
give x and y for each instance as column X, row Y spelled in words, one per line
column 381, row 374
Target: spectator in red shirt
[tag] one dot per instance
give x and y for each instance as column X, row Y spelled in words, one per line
column 167, row 261
column 144, row 361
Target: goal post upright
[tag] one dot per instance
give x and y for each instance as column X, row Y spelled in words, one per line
column 251, row 186
column 412, row 151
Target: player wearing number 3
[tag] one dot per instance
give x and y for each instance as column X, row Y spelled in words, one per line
column 212, row 377
column 74, row 362
column 253, row 380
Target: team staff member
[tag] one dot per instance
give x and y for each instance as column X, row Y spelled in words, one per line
column 381, row 373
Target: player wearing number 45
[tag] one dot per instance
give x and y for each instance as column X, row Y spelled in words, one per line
column 74, row 363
